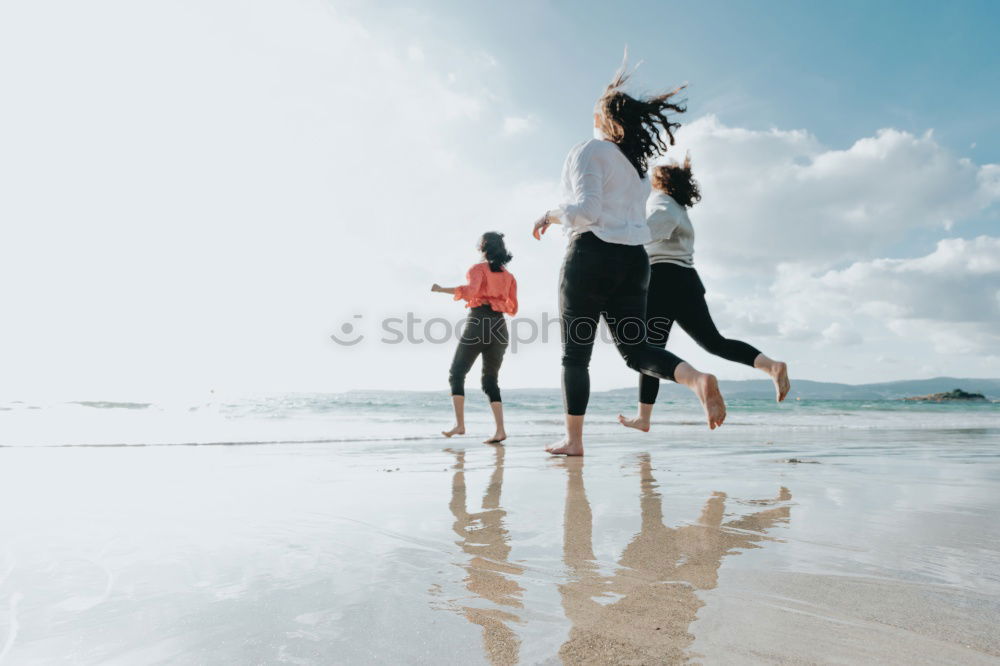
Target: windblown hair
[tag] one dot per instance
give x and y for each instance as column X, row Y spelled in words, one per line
column 495, row 250
column 677, row 181
column 638, row 125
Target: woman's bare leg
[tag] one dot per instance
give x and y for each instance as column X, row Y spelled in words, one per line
column 778, row 372
column 706, row 387
column 641, row 421
column 500, row 434
column 572, row 444
column 458, row 402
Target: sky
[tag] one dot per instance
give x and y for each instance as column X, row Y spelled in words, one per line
column 196, row 194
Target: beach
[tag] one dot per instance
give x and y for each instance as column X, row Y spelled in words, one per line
column 824, row 533
column 300, row 296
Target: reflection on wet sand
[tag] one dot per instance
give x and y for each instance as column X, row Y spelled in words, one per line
column 485, row 539
column 641, row 613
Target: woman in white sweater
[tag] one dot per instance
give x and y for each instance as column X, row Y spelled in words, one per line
column 606, row 269
column 675, row 290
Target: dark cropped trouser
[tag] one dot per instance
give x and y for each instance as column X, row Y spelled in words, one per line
column 676, row 294
column 485, row 334
column 607, row 280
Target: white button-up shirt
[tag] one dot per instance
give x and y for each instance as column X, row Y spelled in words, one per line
column 602, row 193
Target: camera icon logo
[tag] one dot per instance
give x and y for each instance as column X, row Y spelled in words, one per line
column 347, row 330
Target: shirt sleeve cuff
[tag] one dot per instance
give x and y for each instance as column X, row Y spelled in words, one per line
column 559, row 214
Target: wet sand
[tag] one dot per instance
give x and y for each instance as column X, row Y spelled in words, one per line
column 660, row 548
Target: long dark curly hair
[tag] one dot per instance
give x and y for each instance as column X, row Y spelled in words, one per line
column 495, row 250
column 638, row 125
column 677, row 181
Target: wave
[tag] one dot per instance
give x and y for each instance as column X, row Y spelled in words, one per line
column 600, row 431
column 103, row 404
column 263, row 442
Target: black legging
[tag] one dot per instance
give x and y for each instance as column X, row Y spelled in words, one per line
column 676, row 294
column 609, row 280
column 485, row 333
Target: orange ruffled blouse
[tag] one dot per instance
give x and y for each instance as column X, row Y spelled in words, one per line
column 497, row 290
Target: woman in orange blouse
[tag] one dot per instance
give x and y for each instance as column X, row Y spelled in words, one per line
column 490, row 292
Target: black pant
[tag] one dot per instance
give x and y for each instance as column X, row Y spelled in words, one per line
column 609, row 280
column 677, row 294
column 485, row 333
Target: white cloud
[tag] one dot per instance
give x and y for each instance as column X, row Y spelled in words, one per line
column 513, row 125
column 841, row 335
column 950, row 297
column 780, row 196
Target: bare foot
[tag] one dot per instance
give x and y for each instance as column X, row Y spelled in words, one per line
column 496, row 439
column 707, row 390
column 457, row 430
column 638, row 423
column 779, row 373
column 565, row 448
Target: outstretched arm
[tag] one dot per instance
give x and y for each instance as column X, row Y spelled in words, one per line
column 474, row 281
column 583, row 178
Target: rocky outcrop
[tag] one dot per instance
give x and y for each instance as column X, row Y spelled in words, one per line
column 951, row 396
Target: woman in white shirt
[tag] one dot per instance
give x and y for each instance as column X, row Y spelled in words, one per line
column 676, row 293
column 606, row 269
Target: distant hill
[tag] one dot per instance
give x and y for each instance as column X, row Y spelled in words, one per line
column 809, row 390
column 763, row 389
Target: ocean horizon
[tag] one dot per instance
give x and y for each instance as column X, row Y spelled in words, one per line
column 373, row 416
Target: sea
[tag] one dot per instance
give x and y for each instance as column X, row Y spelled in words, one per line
column 383, row 416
